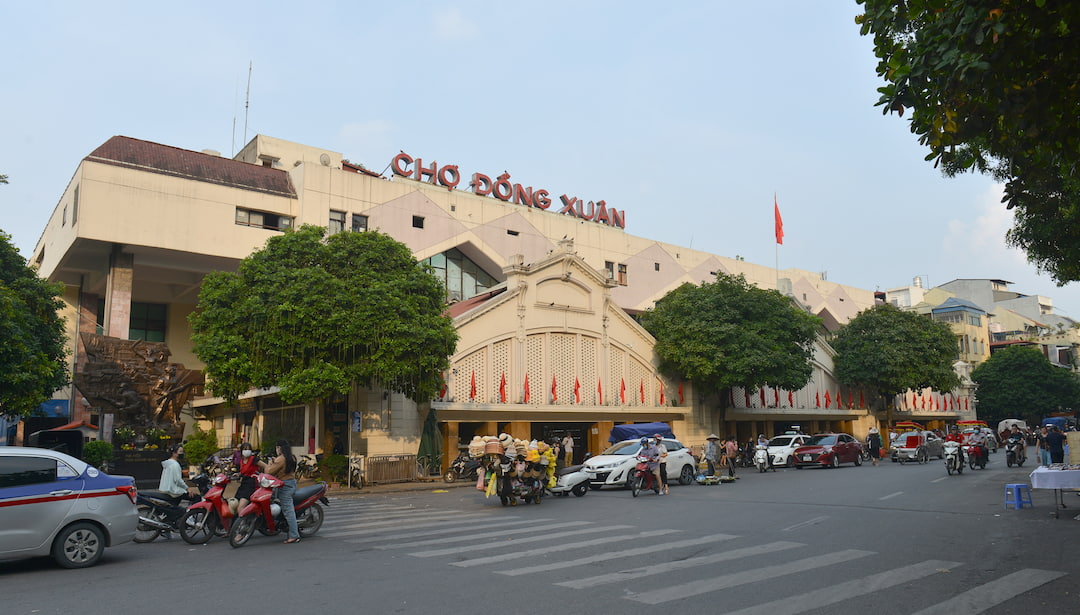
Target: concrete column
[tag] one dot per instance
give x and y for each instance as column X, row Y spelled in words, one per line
column 521, row 430
column 450, row 443
column 598, row 441
column 118, row 293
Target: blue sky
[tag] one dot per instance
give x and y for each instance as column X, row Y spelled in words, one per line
column 688, row 116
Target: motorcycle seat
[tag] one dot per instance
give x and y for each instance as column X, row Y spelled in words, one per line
column 304, row 493
column 569, row 470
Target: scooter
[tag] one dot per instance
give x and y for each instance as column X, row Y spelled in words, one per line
column 571, row 479
column 464, row 467
column 952, row 458
column 643, row 478
column 159, row 513
column 977, row 456
column 761, row 458
column 264, row 514
column 1014, row 453
column 209, row 517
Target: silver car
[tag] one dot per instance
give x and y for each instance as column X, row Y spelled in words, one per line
column 54, row 504
column 917, row 446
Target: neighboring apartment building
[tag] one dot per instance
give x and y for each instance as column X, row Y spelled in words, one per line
column 541, row 290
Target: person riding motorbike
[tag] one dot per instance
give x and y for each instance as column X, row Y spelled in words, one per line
column 977, row 440
column 954, row 436
column 650, row 452
column 1017, row 437
column 172, row 476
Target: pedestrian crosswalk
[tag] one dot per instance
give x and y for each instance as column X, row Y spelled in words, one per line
column 601, row 554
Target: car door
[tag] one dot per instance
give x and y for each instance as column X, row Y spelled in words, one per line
column 36, row 495
column 849, row 449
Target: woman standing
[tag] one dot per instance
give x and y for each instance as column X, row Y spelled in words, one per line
column 873, row 444
column 283, row 467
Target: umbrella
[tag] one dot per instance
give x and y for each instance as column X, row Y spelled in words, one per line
column 430, row 442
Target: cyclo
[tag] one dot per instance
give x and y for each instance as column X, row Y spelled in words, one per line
column 913, row 446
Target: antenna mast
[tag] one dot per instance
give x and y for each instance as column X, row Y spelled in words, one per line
column 247, row 100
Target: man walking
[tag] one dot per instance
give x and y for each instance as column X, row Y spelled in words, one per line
column 568, row 450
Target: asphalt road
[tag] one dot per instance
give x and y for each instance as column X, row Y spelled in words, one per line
column 892, row 539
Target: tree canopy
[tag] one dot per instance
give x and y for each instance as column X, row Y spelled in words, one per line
column 1020, row 383
column 992, row 87
column 313, row 314
column 33, row 352
column 891, row 351
column 729, row 333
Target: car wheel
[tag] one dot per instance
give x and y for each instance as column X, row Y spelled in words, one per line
column 686, row 476
column 580, row 489
column 78, row 545
column 835, row 463
column 858, row 460
column 790, row 463
column 146, row 533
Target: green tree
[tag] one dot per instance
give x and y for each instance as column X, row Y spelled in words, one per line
column 889, row 350
column 32, row 350
column 992, row 87
column 1020, row 383
column 729, row 333
column 313, row 314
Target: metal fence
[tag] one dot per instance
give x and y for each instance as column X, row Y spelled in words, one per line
column 389, row 469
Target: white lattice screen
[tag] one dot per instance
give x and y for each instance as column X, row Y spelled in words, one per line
column 534, row 369
column 616, row 376
column 638, row 377
column 562, row 367
column 500, row 368
column 476, row 364
column 588, row 370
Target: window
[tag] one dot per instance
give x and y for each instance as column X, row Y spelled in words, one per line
column 63, row 217
column 418, row 221
column 622, row 274
column 359, row 223
column 147, row 322
column 337, row 222
column 19, row 471
column 609, row 269
column 462, row 277
column 75, row 207
column 512, row 233
column 285, row 424
column 260, row 219
column 656, row 266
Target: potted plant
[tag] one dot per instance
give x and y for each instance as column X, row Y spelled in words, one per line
column 155, row 437
column 98, row 453
column 332, row 468
column 125, row 436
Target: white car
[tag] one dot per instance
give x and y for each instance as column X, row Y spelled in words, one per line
column 613, row 466
column 781, row 447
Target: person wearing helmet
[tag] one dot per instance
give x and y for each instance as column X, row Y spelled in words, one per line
column 954, row 436
column 661, row 470
column 650, row 452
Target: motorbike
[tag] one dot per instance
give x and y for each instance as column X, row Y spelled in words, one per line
column 265, row 515
column 160, row 514
column 977, row 455
column 642, row 477
column 952, row 458
column 571, row 479
column 761, row 458
column 1014, row 453
column 464, row 467
column 209, row 517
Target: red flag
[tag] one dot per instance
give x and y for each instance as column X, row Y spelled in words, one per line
column 761, row 394
column 828, row 400
column 661, row 392
column 554, row 394
column 851, row 399
column 502, row 388
column 776, row 397
column 577, row 391
column 599, row 393
column 442, row 387
column 914, row 404
column 472, row 387
column 966, row 403
column 790, row 399
column 862, row 400
column 680, row 393
column 946, row 408
column 622, row 391
column 746, row 396
column 817, row 398
column 642, row 391
column 839, row 399
column 526, row 387
column 779, row 222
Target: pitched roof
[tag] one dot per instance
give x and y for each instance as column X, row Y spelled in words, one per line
column 167, row 160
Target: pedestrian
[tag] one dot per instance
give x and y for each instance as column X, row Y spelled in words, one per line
column 283, row 467
column 731, row 450
column 1044, row 452
column 663, row 462
column 873, row 444
column 1055, row 445
column 712, row 452
column 568, row 449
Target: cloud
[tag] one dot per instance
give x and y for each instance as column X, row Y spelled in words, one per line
column 979, row 243
column 451, row 25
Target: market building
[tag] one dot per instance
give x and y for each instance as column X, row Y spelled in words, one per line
column 542, row 286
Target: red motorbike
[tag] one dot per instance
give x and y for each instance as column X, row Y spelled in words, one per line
column 642, row 477
column 210, row 517
column 978, row 455
column 265, row 515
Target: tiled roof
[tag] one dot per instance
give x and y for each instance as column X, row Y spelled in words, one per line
column 167, row 160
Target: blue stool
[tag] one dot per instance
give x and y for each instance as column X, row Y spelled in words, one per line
column 1017, row 495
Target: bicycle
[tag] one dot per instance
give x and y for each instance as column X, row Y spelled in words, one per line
column 306, row 466
column 356, row 472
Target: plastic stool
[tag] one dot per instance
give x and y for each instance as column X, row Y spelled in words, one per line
column 1018, row 494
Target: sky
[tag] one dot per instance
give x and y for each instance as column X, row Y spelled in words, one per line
column 690, row 117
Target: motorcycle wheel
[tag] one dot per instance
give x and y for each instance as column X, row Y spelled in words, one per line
column 949, row 467
column 241, row 530
column 190, row 530
column 145, row 533
column 761, row 467
column 635, row 485
column 310, row 521
column 1008, row 461
column 450, row 476
column 580, row 489
column 505, row 500
column 971, row 462
column 266, row 531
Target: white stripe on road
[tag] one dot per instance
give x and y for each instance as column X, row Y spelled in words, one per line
column 978, row 599
column 797, row 526
column 938, row 480
column 397, row 521
column 704, row 586
column 601, row 557
column 891, row 495
column 848, row 590
column 514, row 542
column 634, row 573
column 445, row 540
column 439, row 528
column 562, row 548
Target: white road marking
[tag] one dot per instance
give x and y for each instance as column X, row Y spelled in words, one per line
column 525, row 533
column 813, row 521
column 438, row 528
column 891, row 495
column 938, row 480
column 704, row 586
column 978, row 599
column 561, row 548
column 601, row 557
column 515, row 541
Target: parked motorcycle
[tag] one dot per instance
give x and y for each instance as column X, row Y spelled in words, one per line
column 1014, row 453
column 952, row 458
column 209, row 517
column 463, row 468
column 159, row 513
column 265, row 515
column 642, row 477
column 761, row 458
column 571, row 479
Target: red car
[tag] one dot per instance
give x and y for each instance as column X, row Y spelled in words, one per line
column 828, row 450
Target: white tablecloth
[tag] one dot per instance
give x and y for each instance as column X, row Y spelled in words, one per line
column 1045, row 478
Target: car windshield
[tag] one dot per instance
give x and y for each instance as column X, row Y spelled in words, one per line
column 821, row 441
column 780, row 441
column 629, row 447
